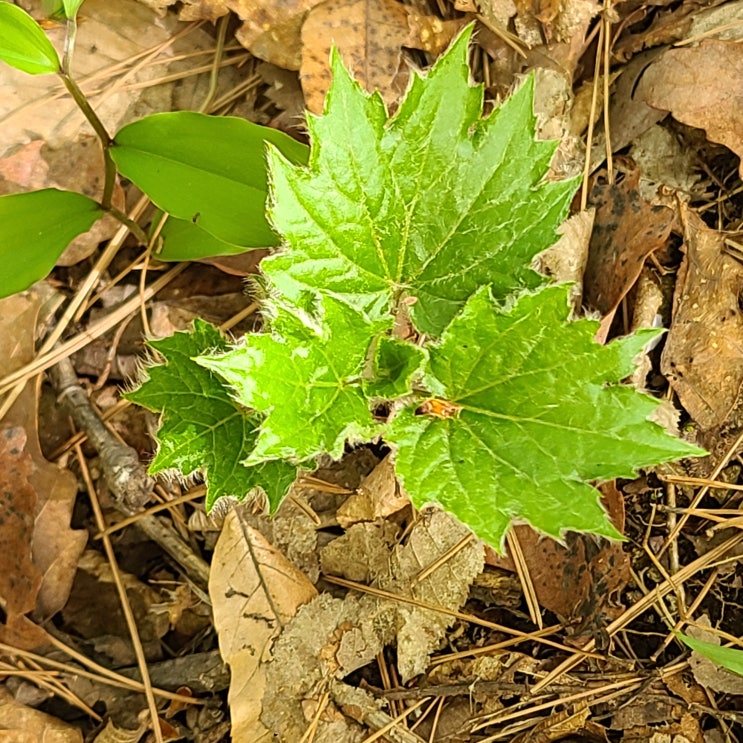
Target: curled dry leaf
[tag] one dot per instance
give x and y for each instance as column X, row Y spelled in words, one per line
column 379, row 495
column 702, row 356
column 255, row 591
column 701, row 87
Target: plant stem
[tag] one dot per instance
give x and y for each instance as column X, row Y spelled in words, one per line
column 134, row 228
column 106, row 140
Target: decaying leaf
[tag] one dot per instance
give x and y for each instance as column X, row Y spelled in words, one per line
column 270, row 30
column 370, row 35
column 379, row 495
column 700, row 86
column 626, row 230
column 702, row 357
column 255, row 591
column 40, row 548
column 332, row 637
column 579, row 580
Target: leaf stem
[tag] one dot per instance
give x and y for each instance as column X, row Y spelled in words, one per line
column 106, row 140
column 134, row 228
column 103, row 135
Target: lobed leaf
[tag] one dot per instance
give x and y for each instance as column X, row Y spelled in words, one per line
column 306, row 376
column 430, row 204
column 540, row 411
column 202, row 428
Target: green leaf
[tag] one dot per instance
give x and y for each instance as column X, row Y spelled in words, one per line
column 71, row 7
column 730, row 658
column 395, row 367
column 23, row 43
column 205, row 169
column 202, row 428
column 53, row 8
column 540, row 412
column 35, row 228
column 432, row 203
column 184, row 241
column 306, row 376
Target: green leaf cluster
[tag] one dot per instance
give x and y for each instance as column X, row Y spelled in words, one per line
column 209, row 173
column 402, row 306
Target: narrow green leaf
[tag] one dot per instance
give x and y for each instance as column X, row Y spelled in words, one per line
column 306, row 376
column 23, row 43
column 730, row 658
column 540, row 411
column 432, row 203
column 35, row 228
column 202, row 429
column 205, row 169
column 71, row 7
column 184, row 241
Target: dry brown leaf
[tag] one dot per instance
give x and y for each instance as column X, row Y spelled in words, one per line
column 664, row 161
column 629, row 116
column 555, row 20
column 20, row 579
column 330, row 638
column 626, row 230
column 22, row 724
column 701, row 87
column 47, row 500
column 379, row 495
column 566, row 260
column 703, row 355
column 270, row 29
column 370, row 35
column 255, row 591
column 94, row 611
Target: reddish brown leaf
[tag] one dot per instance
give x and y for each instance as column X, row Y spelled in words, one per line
column 577, row 581
column 627, row 229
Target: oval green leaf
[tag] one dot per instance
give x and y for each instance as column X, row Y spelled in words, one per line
column 208, row 170
column 185, row 241
column 730, row 658
column 23, row 44
column 35, row 228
